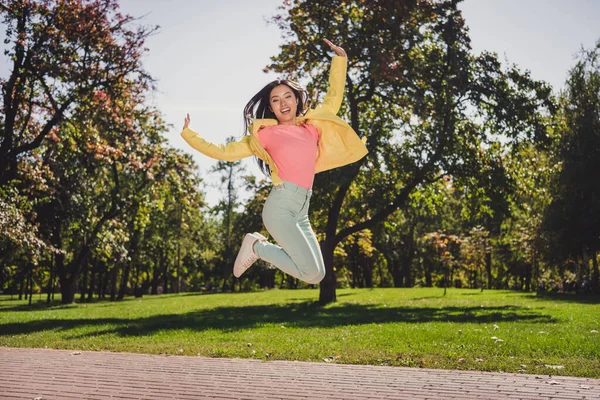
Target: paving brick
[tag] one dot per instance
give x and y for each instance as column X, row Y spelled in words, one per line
column 64, row 374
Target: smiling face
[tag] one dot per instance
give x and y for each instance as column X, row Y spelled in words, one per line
column 284, row 104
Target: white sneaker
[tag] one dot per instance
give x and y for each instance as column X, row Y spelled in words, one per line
column 246, row 256
column 260, row 237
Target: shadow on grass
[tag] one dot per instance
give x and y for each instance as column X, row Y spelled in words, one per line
column 57, row 305
column 35, row 306
column 297, row 315
column 582, row 298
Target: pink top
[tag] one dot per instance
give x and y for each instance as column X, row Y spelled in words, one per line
column 294, row 151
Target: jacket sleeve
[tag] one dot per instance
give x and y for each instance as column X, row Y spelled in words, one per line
column 337, row 82
column 232, row 151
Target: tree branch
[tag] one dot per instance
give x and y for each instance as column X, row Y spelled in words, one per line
column 44, row 132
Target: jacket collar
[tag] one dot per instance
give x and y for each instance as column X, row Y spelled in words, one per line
column 264, row 122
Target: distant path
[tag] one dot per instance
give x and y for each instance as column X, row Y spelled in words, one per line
column 66, row 374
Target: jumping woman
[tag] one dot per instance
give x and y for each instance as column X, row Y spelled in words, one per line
column 291, row 146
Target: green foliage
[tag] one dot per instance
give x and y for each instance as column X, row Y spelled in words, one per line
column 84, row 168
column 428, row 107
column 572, row 222
column 475, row 175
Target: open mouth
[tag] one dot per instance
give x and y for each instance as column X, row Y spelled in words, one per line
column 285, row 111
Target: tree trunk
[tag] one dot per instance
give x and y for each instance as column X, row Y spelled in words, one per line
column 30, row 282
column 405, row 274
column 536, row 270
column 124, row 281
column 137, row 290
column 51, row 281
column 133, row 250
column 59, row 265
column 446, row 269
column 584, row 266
column 178, row 282
column 155, row 278
column 84, row 278
column 409, row 258
column 22, row 288
column 327, row 288
column 428, row 277
column 68, row 285
column 595, row 273
column 528, row 269
column 68, row 288
column 368, row 272
column 394, row 268
column 92, row 284
column 92, row 287
column 481, row 278
column 355, row 273
column 166, row 277
column 102, row 283
column 113, row 282
column 488, row 269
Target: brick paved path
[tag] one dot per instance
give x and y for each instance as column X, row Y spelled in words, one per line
column 66, row 374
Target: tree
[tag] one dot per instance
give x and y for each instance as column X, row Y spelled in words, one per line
column 447, row 247
column 62, row 53
column 521, row 244
column 426, row 104
column 572, row 222
column 97, row 183
column 231, row 173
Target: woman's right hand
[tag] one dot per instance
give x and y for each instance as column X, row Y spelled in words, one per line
column 337, row 49
column 186, row 121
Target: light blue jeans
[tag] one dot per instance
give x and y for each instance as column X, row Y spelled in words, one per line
column 285, row 215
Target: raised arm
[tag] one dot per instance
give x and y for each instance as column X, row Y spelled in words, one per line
column 337, row 79
column 232, row 151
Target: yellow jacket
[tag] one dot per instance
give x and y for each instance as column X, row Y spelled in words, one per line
column 338, row 143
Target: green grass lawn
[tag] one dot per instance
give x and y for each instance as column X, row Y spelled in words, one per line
column 490, row 331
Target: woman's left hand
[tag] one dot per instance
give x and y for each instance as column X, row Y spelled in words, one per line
column 338, row 50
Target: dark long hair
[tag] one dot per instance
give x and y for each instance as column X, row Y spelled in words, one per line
column 259, row 107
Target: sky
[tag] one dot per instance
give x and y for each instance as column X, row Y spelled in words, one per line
column 208, row 55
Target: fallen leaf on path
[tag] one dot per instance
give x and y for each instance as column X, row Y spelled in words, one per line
column 554, row 366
